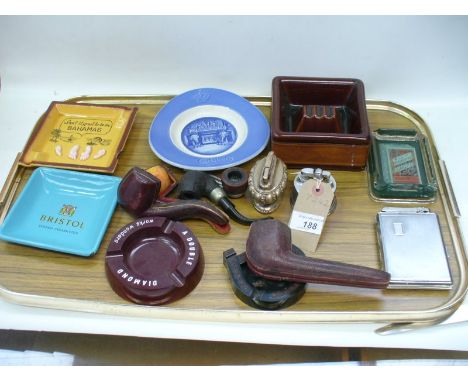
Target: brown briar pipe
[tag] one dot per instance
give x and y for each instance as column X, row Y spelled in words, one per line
column 269, row 254
column 140, row 195
column 190, row 209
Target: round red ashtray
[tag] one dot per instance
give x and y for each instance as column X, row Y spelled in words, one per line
column 154, row 261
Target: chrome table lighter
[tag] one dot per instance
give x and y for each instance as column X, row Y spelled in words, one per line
column 267, row 182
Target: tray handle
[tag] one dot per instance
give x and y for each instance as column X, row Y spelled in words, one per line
column 9, row 188
column 403, row 327
column 450, row 193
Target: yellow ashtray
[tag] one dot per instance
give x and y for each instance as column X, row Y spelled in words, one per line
column 79, row 136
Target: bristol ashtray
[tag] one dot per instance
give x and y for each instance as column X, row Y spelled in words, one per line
column 320, row 122
column 208, row 129
column 400, row 168
column 62, row 210
column 154, row 261
column 79, row 136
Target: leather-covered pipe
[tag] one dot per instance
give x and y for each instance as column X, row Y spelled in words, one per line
column 269, row 254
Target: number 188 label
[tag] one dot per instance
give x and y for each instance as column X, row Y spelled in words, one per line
column 303, row 221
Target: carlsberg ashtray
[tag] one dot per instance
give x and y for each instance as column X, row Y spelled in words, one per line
column 400, row 166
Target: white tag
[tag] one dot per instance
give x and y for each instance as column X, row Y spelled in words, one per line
column 309, row 214
column 302, row 221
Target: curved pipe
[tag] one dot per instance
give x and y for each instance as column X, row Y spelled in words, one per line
column 198, row 184
column 228, row 207
column 269, row 254
column 190, row 209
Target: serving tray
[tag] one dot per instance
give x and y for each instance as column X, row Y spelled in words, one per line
column 35, row 277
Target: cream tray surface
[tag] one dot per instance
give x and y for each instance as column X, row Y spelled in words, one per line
column 49, row 279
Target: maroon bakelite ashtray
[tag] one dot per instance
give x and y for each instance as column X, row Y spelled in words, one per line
column 320, row 122
column 154, row 261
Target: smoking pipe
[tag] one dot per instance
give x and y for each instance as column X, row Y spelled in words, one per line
column 190, row 209
column 139, row 194
column 269, row 254
column 198, row 184
column 138, row 190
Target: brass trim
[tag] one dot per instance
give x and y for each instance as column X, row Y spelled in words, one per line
column 9, row 180
column 451, row 194
column 9, row 188
column 149, row 100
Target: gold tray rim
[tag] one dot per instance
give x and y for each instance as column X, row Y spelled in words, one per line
column 396, row 318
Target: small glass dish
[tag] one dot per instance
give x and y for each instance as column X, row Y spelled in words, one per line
column 400, row 168
column 62, row 210
column 79, row 136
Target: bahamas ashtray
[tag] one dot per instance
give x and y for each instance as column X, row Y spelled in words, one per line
column 154, row 261
column 62, row 210
column 79, row 136
column 320, row 122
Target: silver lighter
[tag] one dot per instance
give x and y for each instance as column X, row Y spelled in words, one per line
column 320, row 176
column 412, row 248
column 267, row 182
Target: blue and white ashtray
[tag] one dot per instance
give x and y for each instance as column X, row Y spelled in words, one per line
column 208, row 129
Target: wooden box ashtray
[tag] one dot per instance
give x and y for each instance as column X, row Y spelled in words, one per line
column 320, row 122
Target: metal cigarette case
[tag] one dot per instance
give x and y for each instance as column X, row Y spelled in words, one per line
column 412, row 249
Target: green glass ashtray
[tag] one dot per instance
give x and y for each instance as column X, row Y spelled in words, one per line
column 400, row 166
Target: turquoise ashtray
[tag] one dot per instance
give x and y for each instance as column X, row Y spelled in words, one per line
column 62, row 210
